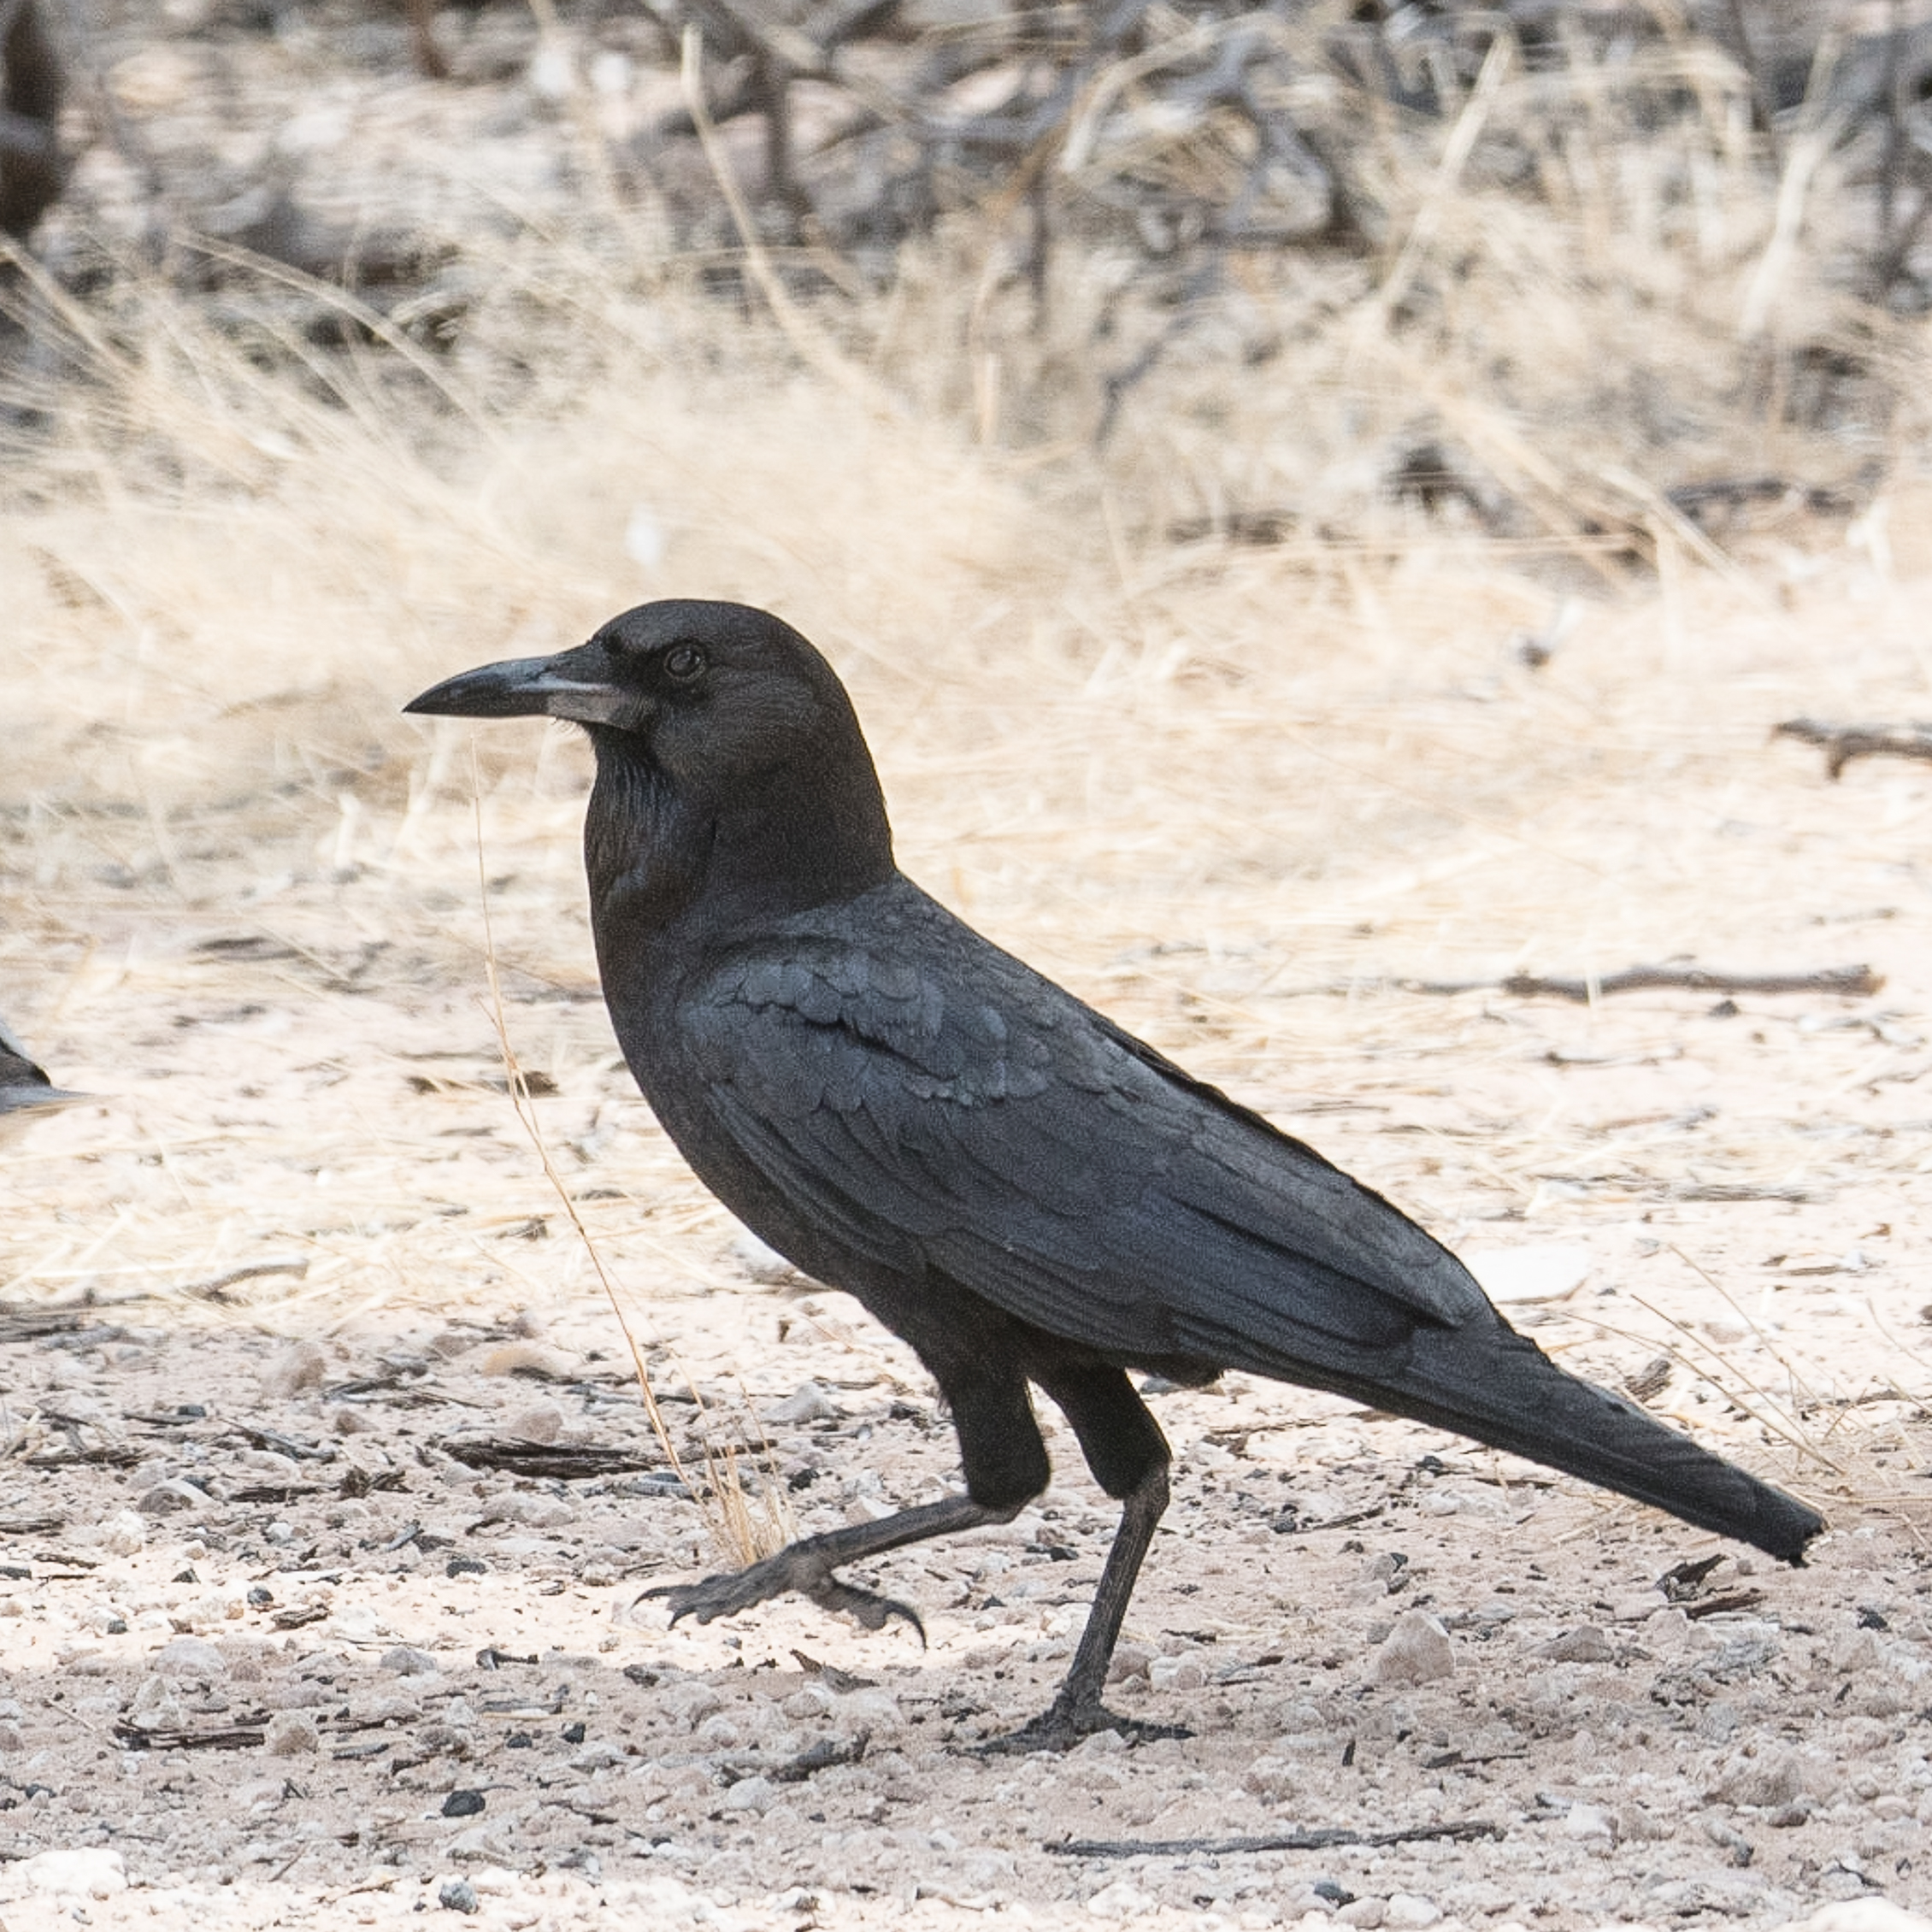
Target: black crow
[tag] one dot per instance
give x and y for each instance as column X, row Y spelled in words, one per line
column 25, row 1090
column 1022, row 1190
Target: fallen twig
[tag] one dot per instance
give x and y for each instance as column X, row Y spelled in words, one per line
column 1855, row 980
column 216, row 1286
column 1841, row 744
column 1320, row 1838
column 546, row 1461
column 231, row 1737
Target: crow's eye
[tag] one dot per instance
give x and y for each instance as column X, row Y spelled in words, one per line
column 685, row 664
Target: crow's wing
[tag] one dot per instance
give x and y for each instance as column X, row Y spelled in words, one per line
column 921, row 1098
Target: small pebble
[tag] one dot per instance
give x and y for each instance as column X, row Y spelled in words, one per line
column 191, row 1657
column 82, row 1872
column 1121, row 1900
column 166, row 1498
column 807, row 1403
column 1185, row 1672
column 292, row 1733
column 457, row 1894
column 155, row 1708
column 302, row 1365
column 462, row 1804
column 1587, row 1644
column 406, row 1661
column 122, row 1534
column 541, row 1421
column 1417, row 1652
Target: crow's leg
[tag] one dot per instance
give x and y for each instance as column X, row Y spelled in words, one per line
column 1006, row 1468
column 1125, row 1449
column 806, row 1566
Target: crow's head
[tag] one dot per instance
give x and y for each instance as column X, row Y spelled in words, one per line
column 710, row 721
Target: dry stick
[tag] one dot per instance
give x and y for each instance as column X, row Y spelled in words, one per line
column 1443, row 184
column 1318, row 1839
column 1842, row 743
column 1848, row 980
column 812, row 347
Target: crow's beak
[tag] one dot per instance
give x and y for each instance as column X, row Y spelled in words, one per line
column 557, row 687
column 18, row 1103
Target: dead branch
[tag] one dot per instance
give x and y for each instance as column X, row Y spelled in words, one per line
column 1841, row 744
column 546, row 1461
column 230, row 1737
column 1851, row 981
column 1321, row 1839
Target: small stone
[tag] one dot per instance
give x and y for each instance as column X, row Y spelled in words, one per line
column 485, row 1844
column 1772, row 1778
column 1859, row 1650
column 83, row 1872
column 807, row 1702
column 406, row 1661
column 541, row 1421
column 1366, row 1914
column 689, row 1703
column 191, row 1657
column 1587, row 1644
column 807, row 1403
column 1637, row 1609
column 1862, row 1915
column 1121, row 1900
column 204, row 1611
column 462, row 1804
column 1407, row 1911
column 302, row 1365
column 1272, row 1778
column 458, row 1894
column 1417, row 1652
column 524, row 1358
column 751, row 1794
column 155, row 1708
column 171, row 1497
column 1129, row 1661
column 292, row 1733
column 871, row 1708
column 1588, row 1822
column 122, row 1534
column 1185, row 1672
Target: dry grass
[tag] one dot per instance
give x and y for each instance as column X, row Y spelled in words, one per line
column 1205, row 784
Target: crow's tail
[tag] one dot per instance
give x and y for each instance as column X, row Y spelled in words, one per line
column 1499, row 1388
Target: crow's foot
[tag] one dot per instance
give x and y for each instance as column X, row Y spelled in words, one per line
column 799, row 1567
column 1069, row 1720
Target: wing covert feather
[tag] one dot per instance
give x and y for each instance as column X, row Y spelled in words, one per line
column 942, row 1100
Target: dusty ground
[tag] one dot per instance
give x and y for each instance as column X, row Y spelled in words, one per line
column 287, row 1638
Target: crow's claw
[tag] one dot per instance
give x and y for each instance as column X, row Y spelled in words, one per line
column 1066, row 1722
column 799, row 1569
